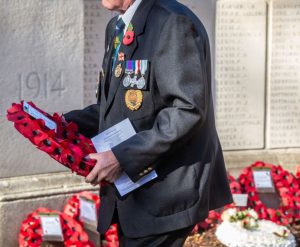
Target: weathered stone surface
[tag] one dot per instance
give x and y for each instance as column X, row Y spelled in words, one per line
column 283, row 128
column 52, row 52
column 95, row 20
column 240, row 73
column 20, row 196
column 42, row 43
column 42, row 60
column 237, row 160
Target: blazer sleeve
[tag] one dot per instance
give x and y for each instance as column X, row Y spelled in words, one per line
column 181, row 76
column 87, row 120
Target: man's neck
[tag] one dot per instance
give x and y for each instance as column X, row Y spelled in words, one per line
column 126, row 6
column 129, row 13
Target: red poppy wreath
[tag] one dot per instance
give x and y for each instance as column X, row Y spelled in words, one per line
column 287, row 187
column 31, row 230
column 65, row 144
column 72, row 208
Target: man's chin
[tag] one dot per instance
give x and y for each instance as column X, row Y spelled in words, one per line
column 106, row 4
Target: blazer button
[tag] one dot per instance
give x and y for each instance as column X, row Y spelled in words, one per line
column 150, row 169
column 141, row 174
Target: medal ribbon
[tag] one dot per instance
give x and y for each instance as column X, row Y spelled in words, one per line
column 144, row 67
column 133, row 65
column 129, row 69
column 137, row 67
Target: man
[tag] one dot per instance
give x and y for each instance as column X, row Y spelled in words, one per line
column 157, row 73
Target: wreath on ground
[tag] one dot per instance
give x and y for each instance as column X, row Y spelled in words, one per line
column 287, row 187
column 31, row 230
column 72, row 208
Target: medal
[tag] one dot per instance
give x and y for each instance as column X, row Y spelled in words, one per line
column 133, row 99
column 134, row 79
column 128, row 71
column 143, row 68
column 121, row 56
column 118, row 70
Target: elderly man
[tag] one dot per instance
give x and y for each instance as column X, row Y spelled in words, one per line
column 156, row 72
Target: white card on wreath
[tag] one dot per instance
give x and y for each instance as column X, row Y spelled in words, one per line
column 88, row 211
column 240, row 200
column 263, row 179
column 38, row 115
column 51, row 227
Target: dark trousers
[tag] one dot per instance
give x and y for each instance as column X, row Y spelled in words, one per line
column 168, row 239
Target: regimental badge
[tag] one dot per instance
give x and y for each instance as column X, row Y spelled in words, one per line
column 118, row 70
column 121, row 56
column 134, row 99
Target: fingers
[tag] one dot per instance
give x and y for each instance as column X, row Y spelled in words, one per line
column 93, row 175
column 92, row 156
column 106, row 168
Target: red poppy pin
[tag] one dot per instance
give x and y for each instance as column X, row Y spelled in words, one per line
column 129, row 36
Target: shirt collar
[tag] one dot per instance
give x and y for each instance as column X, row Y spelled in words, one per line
column 129, row 13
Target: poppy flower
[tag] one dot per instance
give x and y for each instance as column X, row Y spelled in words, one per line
column 128, row 38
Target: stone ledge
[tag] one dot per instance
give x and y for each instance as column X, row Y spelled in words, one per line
column 36, row 186
column 237, row 160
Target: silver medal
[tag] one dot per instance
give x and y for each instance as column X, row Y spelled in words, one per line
column 127, row 81
column 133, row 81
column 141, row 83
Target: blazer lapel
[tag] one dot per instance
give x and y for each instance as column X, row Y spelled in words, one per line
column 106, row 65
column 138, row 22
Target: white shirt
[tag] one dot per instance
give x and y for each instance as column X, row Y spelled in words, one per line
column 129, row 13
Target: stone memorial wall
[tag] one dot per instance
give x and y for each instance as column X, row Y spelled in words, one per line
column 52, row 53
column 257, row 74
column 41, row 45
column 240, row 73
column 94, row 29
column 283, row 127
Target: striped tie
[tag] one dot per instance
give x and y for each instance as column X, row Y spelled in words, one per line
column 119, row 32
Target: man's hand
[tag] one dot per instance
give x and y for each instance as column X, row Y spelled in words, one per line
column 107, row 168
